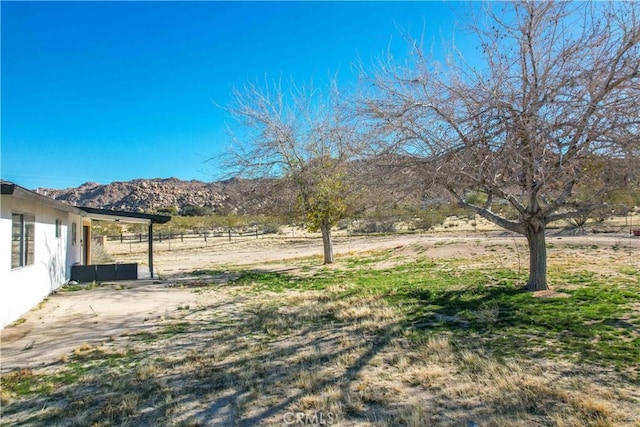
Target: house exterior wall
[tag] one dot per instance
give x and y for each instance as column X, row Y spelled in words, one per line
column 24, row 287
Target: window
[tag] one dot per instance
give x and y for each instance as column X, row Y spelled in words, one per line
column 58, row 227
column 22, row 240
column 74, row 234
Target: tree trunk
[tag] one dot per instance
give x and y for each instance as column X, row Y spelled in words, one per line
column 537, row 256
column 327, row 243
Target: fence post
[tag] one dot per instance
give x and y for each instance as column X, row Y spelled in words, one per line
column 182, row 236
column 140, row 238
column 160, row 236
column 205, row 235
column 229, row 234
column 120, row 237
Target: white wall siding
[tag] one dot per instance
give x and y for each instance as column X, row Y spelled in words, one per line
column 74, row 249
column 23, row 288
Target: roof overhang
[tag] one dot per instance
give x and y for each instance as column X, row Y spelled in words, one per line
column 128, row 217
column 11, row 189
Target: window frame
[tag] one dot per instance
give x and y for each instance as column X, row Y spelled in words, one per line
column 23, row 228
column 74, row 233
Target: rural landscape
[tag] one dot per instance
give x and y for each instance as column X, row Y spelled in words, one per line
column 427, row 328
column 453, row 240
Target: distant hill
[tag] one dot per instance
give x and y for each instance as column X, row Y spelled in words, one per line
column 386, row 182
column 151, row 195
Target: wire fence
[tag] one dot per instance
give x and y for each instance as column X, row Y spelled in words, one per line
column 202, row 237
column 181, row 236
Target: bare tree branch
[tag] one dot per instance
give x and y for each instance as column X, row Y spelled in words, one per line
column 537, row 123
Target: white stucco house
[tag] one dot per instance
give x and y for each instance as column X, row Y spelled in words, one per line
column 41, row 239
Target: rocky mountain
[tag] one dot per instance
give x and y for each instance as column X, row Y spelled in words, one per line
column 385, row 182
column 171, row 194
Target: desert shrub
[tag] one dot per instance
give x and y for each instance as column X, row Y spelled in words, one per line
column 424, row 223
column 579, row 221
column 193, row 210
column 99, row 255
column 621, row 198
column 105, row 228
column 508, row 211
column 136, row 228
column 172, row 210
column 270, row 228
column 373, row 226
column 476, row 198
column 343, row 224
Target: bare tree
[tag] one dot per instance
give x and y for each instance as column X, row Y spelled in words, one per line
column 304, row 139
column 554, row 97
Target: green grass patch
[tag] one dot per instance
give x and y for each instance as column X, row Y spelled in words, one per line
column 97, row 387
column 490, row 310
column 207, row 272
column 20, row 321
column 470, row 328
column 365, row 261
column 630, row 271
column 277, row 282
column 26, row 382
column 80, row 287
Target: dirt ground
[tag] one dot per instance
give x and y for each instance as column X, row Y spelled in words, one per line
column 69, row 319
column 467, row 245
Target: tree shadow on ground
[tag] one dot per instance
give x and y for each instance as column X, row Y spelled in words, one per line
column 231, row 363
column 265, row 353
column 509, row 321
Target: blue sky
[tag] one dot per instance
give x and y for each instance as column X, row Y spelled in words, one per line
column 113, row 91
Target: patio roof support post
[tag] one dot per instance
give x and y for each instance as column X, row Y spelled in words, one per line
column 151, row 249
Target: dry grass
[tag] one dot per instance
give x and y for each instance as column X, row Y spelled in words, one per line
column 345, row 359
column 281, row 354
